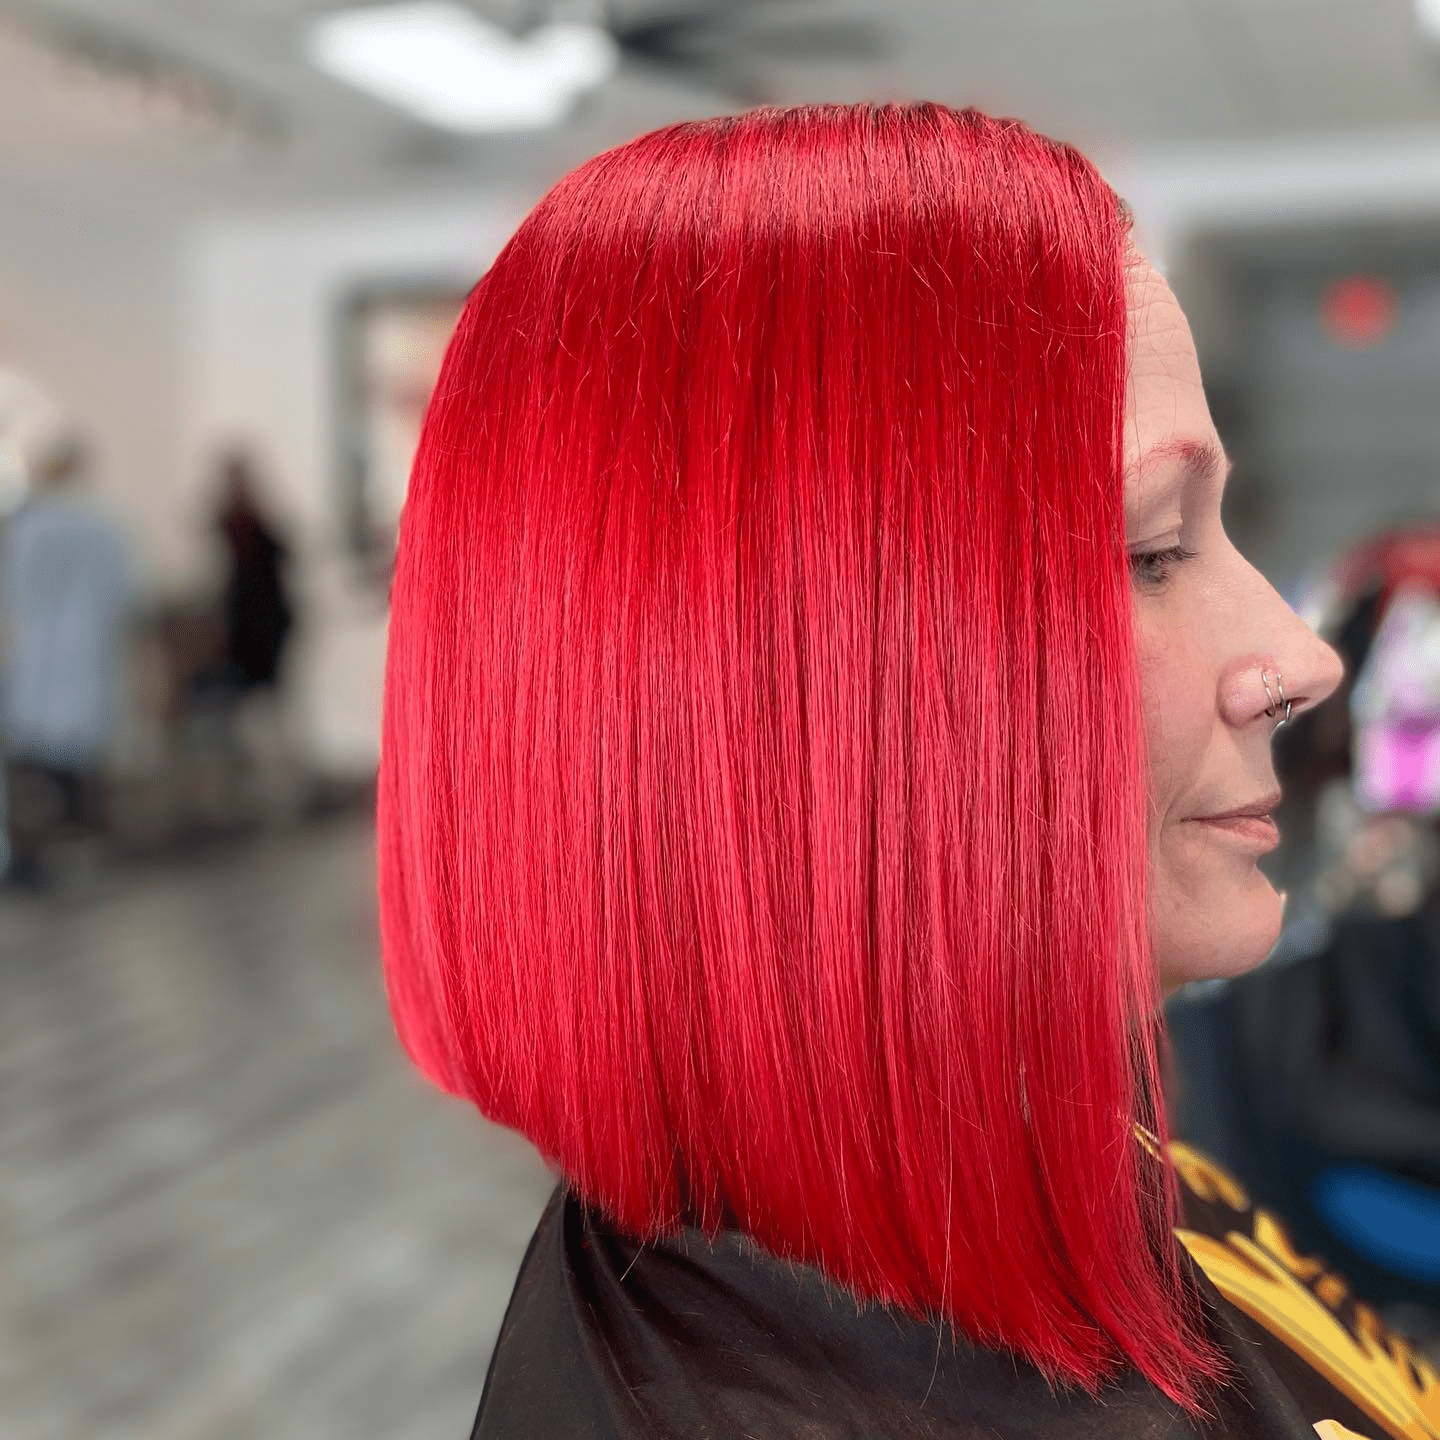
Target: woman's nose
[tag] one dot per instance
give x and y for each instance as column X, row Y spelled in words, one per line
column 1296, row 673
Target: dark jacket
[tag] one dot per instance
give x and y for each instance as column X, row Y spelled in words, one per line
column 608, row 1340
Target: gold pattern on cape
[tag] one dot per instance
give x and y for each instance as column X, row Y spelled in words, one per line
column 1206, row 1178
column 1334, row 1430
column 1396, row 1388
column 1299, row 1302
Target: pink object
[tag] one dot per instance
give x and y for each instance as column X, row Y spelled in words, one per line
column 1398, row 768
column 1395, row 708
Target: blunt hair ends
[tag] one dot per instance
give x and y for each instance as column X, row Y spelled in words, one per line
column 762, row 803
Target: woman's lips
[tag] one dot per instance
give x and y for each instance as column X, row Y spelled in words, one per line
column 1255, row 832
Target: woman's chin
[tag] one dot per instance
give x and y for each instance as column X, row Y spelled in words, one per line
column 1214, row 935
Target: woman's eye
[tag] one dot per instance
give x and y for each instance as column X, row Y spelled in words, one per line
column 1153, row 567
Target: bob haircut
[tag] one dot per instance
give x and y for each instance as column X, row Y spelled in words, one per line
column 762, row 807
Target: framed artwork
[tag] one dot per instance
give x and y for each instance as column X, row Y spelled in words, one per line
column 392, row 339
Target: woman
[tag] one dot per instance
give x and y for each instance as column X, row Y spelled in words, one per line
column 258, row 617
column 794, row 801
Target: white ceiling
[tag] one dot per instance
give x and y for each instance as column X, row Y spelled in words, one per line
column 1127, row 74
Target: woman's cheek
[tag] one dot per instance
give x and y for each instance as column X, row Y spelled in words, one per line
column 1175, row 728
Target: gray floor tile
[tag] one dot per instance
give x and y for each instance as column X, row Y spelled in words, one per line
column 229, row 1208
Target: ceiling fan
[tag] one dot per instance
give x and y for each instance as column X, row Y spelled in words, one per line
column 722, row 45
column 460, row 70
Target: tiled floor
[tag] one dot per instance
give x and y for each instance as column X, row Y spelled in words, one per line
column 228, row 1206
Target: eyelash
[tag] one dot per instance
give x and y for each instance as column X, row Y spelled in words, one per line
column 1152, row 567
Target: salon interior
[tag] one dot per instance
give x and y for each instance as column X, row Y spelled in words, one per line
column 234, row 239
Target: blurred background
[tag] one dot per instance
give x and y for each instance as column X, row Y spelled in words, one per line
column 234, row 235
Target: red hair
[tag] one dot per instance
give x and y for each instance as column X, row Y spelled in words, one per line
column 762, row 806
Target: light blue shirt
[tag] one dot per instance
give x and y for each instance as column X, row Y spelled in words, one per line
column 65, row 582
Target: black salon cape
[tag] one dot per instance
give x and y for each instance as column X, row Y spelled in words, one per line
column 607, row 1340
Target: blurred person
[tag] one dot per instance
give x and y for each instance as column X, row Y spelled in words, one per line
column 824, row 713
column 237, row 701
column 65, row 576
column 258, row 617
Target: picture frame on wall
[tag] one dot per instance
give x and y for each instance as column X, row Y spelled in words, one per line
column 391, row 340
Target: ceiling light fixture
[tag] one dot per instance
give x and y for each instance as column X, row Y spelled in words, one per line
column 443, row 63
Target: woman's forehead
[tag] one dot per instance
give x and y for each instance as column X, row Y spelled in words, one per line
column 1165, row 397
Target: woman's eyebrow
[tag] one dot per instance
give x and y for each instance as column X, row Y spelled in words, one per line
column 1203, row 460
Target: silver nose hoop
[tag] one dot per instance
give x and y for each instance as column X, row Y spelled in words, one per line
column 1276, row 699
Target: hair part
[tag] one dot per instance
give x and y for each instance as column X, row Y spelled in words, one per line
column 762, row 806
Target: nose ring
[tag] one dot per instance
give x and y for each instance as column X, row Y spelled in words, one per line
column 1276, row 699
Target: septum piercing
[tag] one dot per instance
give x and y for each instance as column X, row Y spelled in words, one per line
column 1272, row 708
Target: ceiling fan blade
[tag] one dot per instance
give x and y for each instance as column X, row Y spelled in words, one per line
column 674, row 38
column 690, row 35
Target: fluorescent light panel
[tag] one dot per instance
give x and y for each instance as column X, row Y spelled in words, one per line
column 443, row 63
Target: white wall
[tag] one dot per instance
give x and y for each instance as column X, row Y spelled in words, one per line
column 1285, row 181
column 261, row 298
column 90, row 311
